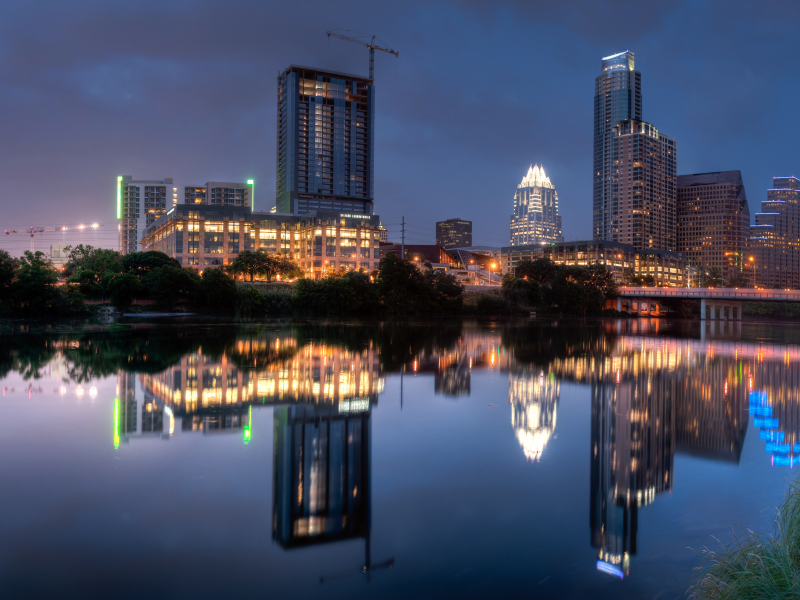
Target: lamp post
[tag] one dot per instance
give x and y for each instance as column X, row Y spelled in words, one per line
column 753, row 260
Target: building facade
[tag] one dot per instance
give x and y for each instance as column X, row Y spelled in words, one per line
column 454, row 233
column 617, row 97
column 141, row 202
column 203, row 236
column 713, row 220
column 535, row 219
column 644, row 186
column 667, row 268
column 325, row 141
column 774, row 242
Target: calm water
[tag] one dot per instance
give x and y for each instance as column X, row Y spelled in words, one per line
column 392, row 460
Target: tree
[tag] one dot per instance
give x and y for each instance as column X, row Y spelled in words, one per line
column 540, row 270
column 168, row 284
column 713, row 277
column 400, row 284
column 447, row 291
column 8, row 267
column 33, row 292
column 217, row 292
column 88, row 258
column 142, row 263
column 122, row 288
column 599, row 277
column 738, row 280
column 250, row 263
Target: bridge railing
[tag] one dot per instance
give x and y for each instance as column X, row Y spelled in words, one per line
column 710, row 293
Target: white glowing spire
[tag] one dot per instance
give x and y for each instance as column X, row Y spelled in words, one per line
column 536, row 178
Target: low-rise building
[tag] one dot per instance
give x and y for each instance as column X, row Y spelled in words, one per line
column 667, row 268
column 141, row 202
column 204, row 235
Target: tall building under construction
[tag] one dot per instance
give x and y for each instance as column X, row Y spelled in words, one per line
column 325, row 141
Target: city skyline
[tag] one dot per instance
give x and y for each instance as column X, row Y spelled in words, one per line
column 78, row 93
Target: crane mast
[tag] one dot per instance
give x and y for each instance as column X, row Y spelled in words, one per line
column 371, row 45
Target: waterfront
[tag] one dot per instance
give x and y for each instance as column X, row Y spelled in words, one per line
column 393, row 459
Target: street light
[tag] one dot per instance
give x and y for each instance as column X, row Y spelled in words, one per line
column 753, row 260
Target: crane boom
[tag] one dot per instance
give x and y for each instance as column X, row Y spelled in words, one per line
column 32, row 230
column 371, row 45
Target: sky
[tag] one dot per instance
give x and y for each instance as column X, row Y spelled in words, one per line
column 92, row 89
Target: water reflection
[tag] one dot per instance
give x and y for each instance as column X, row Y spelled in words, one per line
column 655, row 391
column 533, row 399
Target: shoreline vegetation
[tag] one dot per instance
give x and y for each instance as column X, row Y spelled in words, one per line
column 755, row 566
column 30, row 287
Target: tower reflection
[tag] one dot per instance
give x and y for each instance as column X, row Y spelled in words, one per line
column 533, row 398
column 321, row 473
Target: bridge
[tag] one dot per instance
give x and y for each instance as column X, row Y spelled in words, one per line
column 645, row 300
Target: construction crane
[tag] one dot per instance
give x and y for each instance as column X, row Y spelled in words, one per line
column 34, row 230
column 371, row 45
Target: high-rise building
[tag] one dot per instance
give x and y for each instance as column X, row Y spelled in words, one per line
column 535, row 219
column 325, row 141
column 634, row 175
column 141, row 202
column 454, row 233
column 617, row 97
column 713, row 221
column 644, row 182
column 774, row 240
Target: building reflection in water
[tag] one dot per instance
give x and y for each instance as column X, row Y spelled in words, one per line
column 321, row 473
column 215, row 394
column 533, row 398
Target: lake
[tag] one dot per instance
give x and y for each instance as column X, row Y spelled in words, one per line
column 387, row 459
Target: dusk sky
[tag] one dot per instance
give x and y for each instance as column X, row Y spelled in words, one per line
column 94, row 89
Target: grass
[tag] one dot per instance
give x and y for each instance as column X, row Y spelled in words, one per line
column 756, row 566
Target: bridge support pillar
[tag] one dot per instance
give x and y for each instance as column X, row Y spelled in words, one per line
column 713, row 311
column 723, row 315
column 619, row 303
column 703, row 316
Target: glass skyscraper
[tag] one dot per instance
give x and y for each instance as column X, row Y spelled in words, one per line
column 535, row 219
column 325, row 141
column 617, row 97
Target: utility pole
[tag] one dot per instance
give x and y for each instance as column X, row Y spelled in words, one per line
column 403, row 244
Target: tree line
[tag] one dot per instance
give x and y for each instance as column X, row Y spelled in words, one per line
column 30, row 287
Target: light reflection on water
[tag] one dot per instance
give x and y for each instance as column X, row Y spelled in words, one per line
column 655, row 398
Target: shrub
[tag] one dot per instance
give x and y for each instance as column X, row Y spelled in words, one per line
column 250, row 302
column 217, row 292
column 754, row 565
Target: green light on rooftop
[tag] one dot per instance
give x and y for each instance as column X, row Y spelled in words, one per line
column 252, row 184
column 119, row 197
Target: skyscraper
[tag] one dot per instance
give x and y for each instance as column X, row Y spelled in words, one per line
column 535, row 219
column 617, row 96
column 643, row 186
column 454, row 233
column 774, row 240
column 713, row 221
column 634, row 175
column 325, row 141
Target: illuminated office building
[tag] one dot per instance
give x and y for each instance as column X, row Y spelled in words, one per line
column 535, row 219
column 774, row 240
column 454, row 233
column 635, row 166
column 617, row 97
column 140, row 203
column 644, row 186
column 713, row 220
column 325, row 141
column 203, row 235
